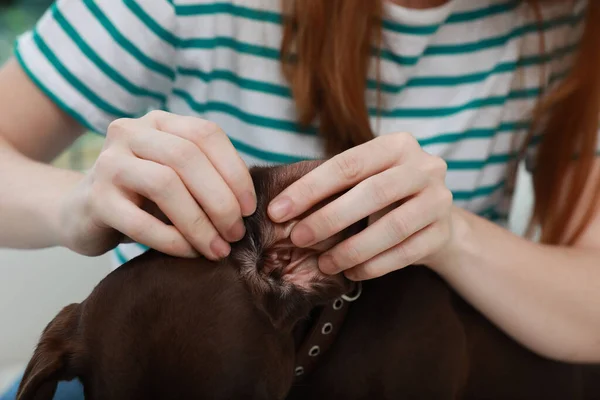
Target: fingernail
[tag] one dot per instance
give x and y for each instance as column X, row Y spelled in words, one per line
column 351, row 275
column 279, row 208
column 220, row 247
column 237, row 231
column 248, row 203
column 302, row 235
column 326, row 265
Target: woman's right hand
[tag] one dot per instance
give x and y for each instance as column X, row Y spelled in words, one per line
column 161, row 165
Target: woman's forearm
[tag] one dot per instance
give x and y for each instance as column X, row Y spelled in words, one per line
column 30, row 197
column 545, row 297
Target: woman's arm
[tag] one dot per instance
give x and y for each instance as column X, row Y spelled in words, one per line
column 545, row 297
column 142, row 159
column 33, row 131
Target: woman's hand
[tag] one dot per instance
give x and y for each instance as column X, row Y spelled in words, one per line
column 155, row 171
column 394, row 182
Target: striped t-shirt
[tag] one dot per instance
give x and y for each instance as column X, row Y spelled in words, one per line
column 462, row 77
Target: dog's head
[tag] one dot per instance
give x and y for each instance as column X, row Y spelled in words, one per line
column 286, row 279
column 166, row 327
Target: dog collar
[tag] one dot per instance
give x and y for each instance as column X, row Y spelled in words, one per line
column 323, row 332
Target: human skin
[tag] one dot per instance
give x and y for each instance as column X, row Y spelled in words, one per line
column 91, row 213
column 546, row 297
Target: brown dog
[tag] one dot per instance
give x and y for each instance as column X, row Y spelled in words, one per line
column 166, row 328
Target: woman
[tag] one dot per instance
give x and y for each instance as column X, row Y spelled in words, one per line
column 455, row 92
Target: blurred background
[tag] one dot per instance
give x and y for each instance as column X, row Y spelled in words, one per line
column 35, row 285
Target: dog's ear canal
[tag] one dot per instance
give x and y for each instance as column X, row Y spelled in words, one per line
column 54, row 357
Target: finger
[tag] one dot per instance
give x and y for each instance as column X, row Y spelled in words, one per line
column 406, row 253
column 213, row 141
column 152, row 208
column 393, row 228
column 124, row 216
column 339, row 173
column 164, row 187
column 368, row 197
column 200, row 177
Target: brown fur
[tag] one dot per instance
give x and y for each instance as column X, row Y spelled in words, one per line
column 160, row 327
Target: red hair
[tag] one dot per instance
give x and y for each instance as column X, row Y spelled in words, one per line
column 330, row 42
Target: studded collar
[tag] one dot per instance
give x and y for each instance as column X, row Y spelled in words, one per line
column 322, row 333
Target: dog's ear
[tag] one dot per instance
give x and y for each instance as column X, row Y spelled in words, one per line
column 284, row 279
column 55, row 357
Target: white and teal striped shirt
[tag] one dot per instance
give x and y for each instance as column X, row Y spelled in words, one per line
column 462, row 78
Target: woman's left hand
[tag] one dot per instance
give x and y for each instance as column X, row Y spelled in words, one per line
column 395, row 183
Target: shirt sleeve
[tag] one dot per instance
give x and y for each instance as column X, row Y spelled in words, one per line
column 101, row 60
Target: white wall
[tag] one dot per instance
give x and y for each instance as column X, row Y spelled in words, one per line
column 34, row 286
column 523, row 202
